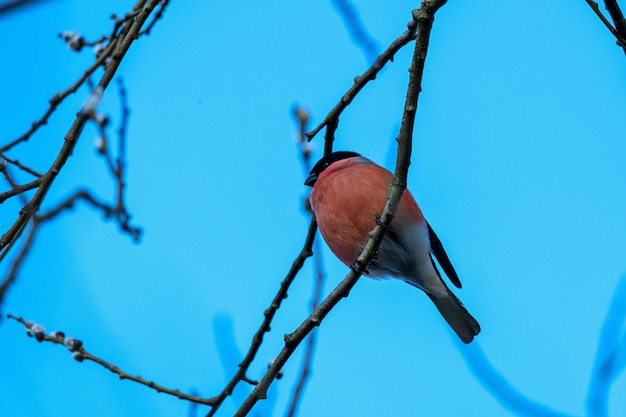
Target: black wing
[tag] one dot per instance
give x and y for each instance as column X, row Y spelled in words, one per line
column 442, row 257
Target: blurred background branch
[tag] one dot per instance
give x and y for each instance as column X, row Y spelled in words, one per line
column 302, row 118
column 610, row 361
column 500, row 388
column 7, row 6
column 610, row 355
column 356, row 29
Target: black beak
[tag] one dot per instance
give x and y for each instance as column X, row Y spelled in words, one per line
column 310, row 181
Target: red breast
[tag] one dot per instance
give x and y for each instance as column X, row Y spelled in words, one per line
column 347, row 198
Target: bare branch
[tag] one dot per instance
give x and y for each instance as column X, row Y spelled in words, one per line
column 20, row 166
column 331, row 120
column 116, row 165
column 121, row 217
column 424, row 18
column 9, row 178
column 30, row 207
column 158, row 15
column 58, row 98
column 39, row 219
column 309, row 350
column 143, row 10
column 121, row 152
column 19, row 189
column 618, row 19
column 80, row 354
column 17, row 263
column 116, row 38
column 268, row 314
column 594, row 6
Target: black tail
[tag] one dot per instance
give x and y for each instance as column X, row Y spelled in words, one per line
column 461, row 321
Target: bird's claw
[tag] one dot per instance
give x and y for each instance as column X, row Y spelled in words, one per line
column 359, row 268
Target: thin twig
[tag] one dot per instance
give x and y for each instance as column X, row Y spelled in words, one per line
column 121, row 142
column 19, row 189
column 118, row 212
column 80, row 353
column 9, row 178
column 4, row 254
column 58, row 98
column 21, row 166
column 117, row 36
column 268, row 314
column 116, row 166
column 41, row 218
column 158, row 15
column 331, row 120
column 7, row 175
column 424, row 18
column 596, row 9
column 121, row 47
column 309, row 350
column 108, row 211
column 18, row 261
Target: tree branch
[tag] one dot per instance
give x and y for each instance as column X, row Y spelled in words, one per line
column 11, row 275
column 331, row 120
column 143, row 10
column 157, row 16
column 618, row 19
column 594, row 6
column 39, row 219
column 20, row 165
column 268, row 317
column 59, row 97
column 309, row 350
column 423, row 18
column 19, row 189
column 80, row 354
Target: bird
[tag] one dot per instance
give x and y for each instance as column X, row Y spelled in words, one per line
column 348, row 195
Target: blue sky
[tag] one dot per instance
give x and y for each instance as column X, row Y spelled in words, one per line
column 518, row 163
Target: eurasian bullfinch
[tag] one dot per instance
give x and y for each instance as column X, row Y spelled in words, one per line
column 349, row 194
